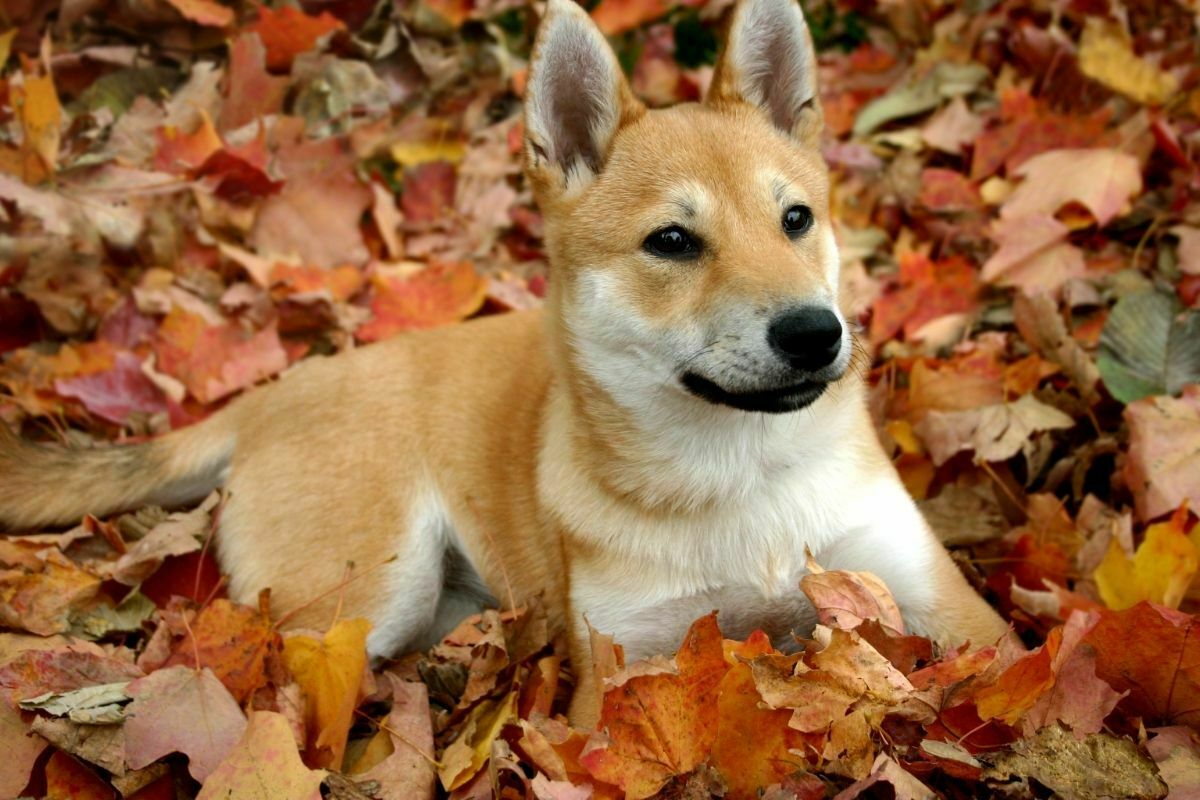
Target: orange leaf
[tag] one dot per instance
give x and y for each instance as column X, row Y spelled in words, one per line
column 1021, row 685
column 289, row 32
column 233, row 641
column 753, row 742
column 661, row 725
column 618, row 16
column 330, row 672
column 67, row 779
column 845, row 599
column 442, row 293
column 204, row 12
column 927, row 291
column 188, row 150
column 1153, row 653
column 40, row 114
column 216, row 361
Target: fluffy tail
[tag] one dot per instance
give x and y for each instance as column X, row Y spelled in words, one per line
column 43, row 484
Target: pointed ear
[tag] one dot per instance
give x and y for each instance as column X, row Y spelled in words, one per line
column 768, row 61
column 575, row 101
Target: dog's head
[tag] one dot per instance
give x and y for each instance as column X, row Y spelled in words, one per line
column 692, row 248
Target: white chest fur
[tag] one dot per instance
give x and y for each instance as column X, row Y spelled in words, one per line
column 765, row 490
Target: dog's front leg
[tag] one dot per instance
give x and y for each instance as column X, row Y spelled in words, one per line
column 896, row 543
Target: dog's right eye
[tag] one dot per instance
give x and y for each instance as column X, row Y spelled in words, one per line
column 672, row 242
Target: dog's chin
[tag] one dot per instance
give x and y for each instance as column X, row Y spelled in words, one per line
column 779, row 400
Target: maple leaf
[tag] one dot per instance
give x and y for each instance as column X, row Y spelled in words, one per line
column 181, row 709
column 409, row 771
column 330, row 672
column 618, row 16
column 315, row 218
column 1033, row 254
column 204, row 12
column 263, row 765
column 926, row 291
column 1101, row 179
column 1160, row 571
column 216, row 361
column 1106, row 54
column 231, row 640
column 654, row 727
column 67, row 779
column 252, row 93
column 21, row 751
column 116, row 394
column 1163, row 688
column 1021, row 685
column 438, row 294
column 947, row 190
column 1164, row 443
column 754, row 744
column 289, row 32
column 44, row 600
column 845, row 599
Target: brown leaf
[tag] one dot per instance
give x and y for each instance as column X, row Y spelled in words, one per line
column 845, row 599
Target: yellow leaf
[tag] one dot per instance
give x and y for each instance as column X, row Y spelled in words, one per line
column 330, row 672
column 6, row 40
column 901, row 431
column 410, row 154
column 1160, row 570
column 41, row 118
column 1106, row 56
column 467, row 754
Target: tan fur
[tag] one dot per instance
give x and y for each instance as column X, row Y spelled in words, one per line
column 505, row 438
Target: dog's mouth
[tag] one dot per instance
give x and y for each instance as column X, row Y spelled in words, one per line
column 792, row 397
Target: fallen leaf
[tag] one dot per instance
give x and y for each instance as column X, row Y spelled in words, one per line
column 45, row 600
column 1098, row 766
column 1176, row 751
column 182, row 710
column 927, row 291
column 330, row 672
column 409, row 772
column 438, row 294
column 231, row 640
column 618, row 16
column 36, row 102
column 204, row 12
column 886, row 771
column 1103, row 180
column 1164, row 688
column 464, row 757
column 1106, row 55
column 93, row 705
column 67, row 779
column 1150, row 345
column 21, row 751
column 116, row 394
column 845, row 599
column 993, row 433
column 656, row 726
column 180, row 533
column 216, row 361
column 1160, row 571
column 263, row 765
column 1164, row 444
column 251, row 92
column 289, row 32
column 1040, row 324
column 1033, row 254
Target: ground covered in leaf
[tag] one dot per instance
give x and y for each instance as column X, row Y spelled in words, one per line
column 195, row 195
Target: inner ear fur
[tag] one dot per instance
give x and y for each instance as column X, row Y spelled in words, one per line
column 576, row 100
column 768, row 61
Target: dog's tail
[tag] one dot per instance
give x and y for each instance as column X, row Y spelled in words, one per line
column 42, row 484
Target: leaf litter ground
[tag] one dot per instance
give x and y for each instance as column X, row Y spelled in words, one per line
column 195, row 195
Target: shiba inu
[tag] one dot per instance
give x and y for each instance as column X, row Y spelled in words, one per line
column 670, row 435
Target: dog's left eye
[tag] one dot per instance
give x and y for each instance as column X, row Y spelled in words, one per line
column 797, row 220
column 672, row 242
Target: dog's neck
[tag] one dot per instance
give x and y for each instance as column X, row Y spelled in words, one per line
column 637, row 433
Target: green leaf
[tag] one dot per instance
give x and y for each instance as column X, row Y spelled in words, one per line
column 1150, row 346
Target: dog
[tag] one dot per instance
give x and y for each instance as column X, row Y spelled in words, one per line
column 672, row 433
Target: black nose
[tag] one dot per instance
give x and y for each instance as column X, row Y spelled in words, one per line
column 807, row 338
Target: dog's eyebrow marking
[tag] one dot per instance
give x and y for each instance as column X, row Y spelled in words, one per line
column 783, row 190
column 690, row 199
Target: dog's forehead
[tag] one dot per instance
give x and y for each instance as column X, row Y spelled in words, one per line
column 733, row 150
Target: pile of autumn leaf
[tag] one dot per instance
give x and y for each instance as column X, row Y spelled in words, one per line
column 195, row 195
